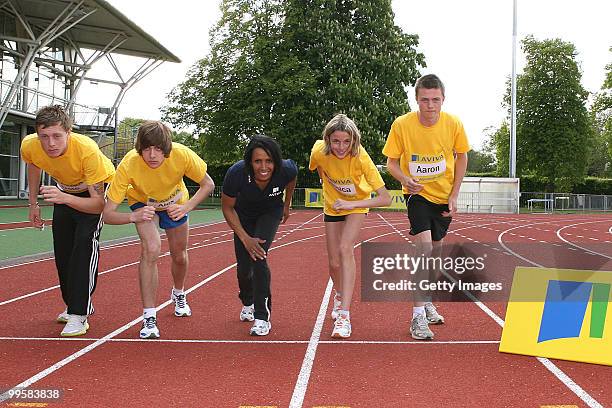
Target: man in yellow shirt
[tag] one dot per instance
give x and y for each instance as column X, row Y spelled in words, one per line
column 80, row 171
column 151, row 176
column 427, row 152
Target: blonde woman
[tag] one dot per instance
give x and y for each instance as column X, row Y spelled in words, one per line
column 348, row 176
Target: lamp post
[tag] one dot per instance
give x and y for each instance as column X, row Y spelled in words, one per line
column 512, row 159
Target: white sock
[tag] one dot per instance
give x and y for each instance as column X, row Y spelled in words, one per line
column 177, row 291
column 418, row 310
column 149, row 312
column 344, row 313
column 338, row 295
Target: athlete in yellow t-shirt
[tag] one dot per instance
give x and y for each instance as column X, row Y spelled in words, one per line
column 151, row 176
column 80, row 171
column 349, row 176
column 427, row 152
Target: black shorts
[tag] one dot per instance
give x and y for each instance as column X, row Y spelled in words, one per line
column 334, row 218
column 427, row 216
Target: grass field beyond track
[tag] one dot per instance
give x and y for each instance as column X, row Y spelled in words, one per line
column 29, row 241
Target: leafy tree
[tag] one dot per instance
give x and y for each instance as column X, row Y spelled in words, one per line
column 500, row 139
column 360, row 61
column 284, row 68
column 553, row 129
column 601, row 152
column 128, row 127
column 480, row 162
column 228, row 95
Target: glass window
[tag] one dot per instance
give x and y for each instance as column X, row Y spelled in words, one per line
column 6, row 164
column 8, row 187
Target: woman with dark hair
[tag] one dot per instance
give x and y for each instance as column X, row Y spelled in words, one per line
column 252, row 204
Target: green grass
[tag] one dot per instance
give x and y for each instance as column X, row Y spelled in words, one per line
column 30, row 241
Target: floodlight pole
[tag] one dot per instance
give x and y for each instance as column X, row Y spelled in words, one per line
column 512, row 159
column 115, row 132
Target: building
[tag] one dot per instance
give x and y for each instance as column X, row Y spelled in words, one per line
column 49, row 49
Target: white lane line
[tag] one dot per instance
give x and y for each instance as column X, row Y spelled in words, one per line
column 228, row 341
column 196, row 246
column 42, row 374
column 301, row 385
column 38, row 292
column 578, row 246
column 575, row 388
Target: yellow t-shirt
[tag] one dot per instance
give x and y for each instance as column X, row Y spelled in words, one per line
column 81, row 165
column 427, row 153
column 160, row 187
column 350, row 178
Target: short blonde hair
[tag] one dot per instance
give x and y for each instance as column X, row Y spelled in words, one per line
column 342, row 123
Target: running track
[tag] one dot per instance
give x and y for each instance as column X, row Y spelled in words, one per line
column 209, row 360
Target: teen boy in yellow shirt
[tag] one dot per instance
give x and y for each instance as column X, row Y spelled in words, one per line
column 80, row 170
column 427, row 152
column 151, row 176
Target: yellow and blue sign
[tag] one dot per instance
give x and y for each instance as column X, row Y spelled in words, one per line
column 314, row 198
column 560, row 313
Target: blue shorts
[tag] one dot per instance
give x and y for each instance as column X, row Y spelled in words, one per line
column 165, row 222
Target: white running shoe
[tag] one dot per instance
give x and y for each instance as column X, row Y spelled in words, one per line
column 75, row 326
column 149, row 328
column 247, row 314
column 63, row 317
column 261, row 328
column 419, row 328
column 181, row 308
column 432, row 315
column 342, row 327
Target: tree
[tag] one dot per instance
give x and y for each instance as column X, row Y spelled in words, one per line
column 360, row 61
column 284, row 68
column 601, row 112
column 553, row 129
column 128, row 127
column 501, row 140
column 227, row 94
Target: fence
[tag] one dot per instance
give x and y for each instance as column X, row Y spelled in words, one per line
column 473, row 201
column 551, row 202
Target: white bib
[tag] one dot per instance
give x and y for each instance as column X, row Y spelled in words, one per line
column 427, row 168
column 76, row 188
column 345, row 187
column 163, row 204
